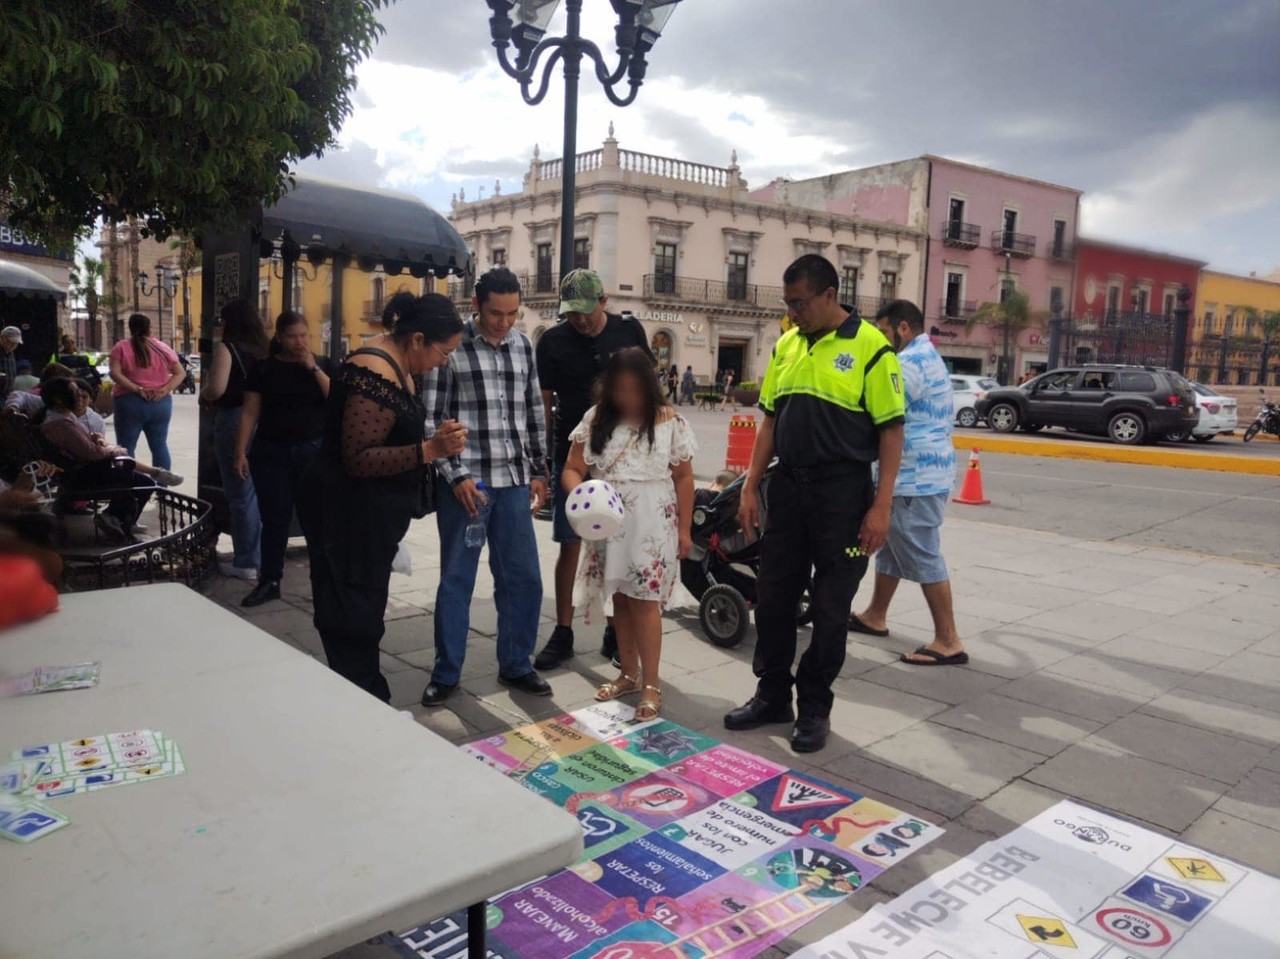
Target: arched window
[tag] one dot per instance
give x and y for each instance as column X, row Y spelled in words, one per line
column 662, row 345
column 379, row 293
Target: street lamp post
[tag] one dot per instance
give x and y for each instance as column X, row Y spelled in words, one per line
column 166, row 284
column 640, row 23
column 1006, row 293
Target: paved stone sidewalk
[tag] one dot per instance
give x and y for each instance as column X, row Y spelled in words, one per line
column 1142, row 681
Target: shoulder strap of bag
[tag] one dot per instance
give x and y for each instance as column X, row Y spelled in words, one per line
column 235, row 355
column 373, row 351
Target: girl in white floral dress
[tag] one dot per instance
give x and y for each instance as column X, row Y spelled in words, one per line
column 641, row 447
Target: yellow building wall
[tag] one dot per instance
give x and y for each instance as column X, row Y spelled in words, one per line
column 362, row 297
column 1220, row 297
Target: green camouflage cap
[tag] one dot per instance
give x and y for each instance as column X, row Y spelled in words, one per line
column 580, row 292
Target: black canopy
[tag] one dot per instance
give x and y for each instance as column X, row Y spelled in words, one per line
column 369, row 225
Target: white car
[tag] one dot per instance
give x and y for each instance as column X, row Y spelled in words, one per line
column 1218, row 414
column 965, row 392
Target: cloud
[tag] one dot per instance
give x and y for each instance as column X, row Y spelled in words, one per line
column 1162, row 120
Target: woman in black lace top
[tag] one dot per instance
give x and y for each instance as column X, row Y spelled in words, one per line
column 366, row 483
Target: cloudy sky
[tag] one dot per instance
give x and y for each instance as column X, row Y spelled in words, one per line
column 1166, row 112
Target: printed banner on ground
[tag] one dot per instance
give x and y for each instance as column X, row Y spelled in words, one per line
column 1077, row 884
column 693, row 848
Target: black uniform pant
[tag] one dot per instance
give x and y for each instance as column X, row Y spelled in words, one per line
column 811, row 528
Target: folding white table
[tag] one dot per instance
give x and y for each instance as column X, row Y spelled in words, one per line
column 311, row 816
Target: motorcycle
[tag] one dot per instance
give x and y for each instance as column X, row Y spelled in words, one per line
column 1267, row 420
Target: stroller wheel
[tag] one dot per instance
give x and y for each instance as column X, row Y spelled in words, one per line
column 724, row 615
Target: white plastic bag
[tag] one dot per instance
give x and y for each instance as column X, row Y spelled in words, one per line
column 403, row 563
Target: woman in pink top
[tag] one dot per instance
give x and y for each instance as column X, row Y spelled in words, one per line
column 144, row 372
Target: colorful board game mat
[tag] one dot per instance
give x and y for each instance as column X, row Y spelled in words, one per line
column 693, row 848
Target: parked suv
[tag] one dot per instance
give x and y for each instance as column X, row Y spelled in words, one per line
column 1131, row 404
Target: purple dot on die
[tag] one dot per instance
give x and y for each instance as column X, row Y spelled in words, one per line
column 597, row 526
column 574, row 507
column 586, row 506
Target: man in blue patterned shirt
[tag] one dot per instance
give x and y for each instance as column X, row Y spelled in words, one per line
column 913, row 550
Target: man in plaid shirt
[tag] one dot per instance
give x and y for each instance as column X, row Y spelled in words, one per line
column 490, row 386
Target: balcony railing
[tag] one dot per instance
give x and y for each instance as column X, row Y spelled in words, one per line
column 967, row 236
column 1015, row 244
column 688, row 290
column 957, row 309
column 867, row 306
column 373, row 310
column 1061, row 251
column 629, row 161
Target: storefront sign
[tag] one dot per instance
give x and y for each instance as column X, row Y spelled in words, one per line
column 736, row 328
column 695, row 339
column 1037, row 339
column 658, row 316
column 938, row 332
column 13, row 240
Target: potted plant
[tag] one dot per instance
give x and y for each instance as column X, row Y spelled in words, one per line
column 747, row 393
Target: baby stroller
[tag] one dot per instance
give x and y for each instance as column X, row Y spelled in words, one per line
column 721, row 569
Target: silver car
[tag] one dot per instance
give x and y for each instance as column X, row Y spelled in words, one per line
column 965, row 392
column 1218, row 414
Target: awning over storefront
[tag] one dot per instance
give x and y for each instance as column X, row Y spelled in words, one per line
column 19, row 280
column 392, row 228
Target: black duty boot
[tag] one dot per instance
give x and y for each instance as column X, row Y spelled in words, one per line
column 559, row 648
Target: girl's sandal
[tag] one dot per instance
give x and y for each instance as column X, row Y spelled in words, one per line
column 617, row 689
column 648, row 707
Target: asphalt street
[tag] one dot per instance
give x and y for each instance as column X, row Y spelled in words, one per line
column 1217, row 513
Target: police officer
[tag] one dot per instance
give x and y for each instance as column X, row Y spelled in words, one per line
column 833, row 405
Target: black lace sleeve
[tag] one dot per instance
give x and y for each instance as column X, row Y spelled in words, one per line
column 372, row 406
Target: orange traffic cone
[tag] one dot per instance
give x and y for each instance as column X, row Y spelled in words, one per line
column 971, row 489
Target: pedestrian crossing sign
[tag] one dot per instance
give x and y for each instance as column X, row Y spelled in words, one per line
column 1191, row 868
column 1045, row 931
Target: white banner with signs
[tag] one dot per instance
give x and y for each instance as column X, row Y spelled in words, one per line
column 1078, row 884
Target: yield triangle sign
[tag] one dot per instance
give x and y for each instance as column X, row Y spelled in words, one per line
column 797, row 793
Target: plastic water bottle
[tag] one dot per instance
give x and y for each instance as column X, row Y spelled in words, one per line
column 477, row 524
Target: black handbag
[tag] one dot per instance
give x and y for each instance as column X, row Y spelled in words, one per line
column 425, row 502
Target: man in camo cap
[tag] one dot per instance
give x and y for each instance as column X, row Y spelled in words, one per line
column 571, row 357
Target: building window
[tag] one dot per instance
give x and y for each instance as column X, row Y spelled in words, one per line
column 1059, row 239
column 737, row 278
column 1113, row 300
column 953, row 303
column 581, row 254
column 544, row 282
column 379, row 293
column 1228, row 322
column 661, row 346
column 297, row 290
column 664, row 268
column 888, row 285
column 1209, row 310
column 1057, row 298
column 1168, row 304
column 955, row 218
column 1007, row 288
column 264, row 304
column 849, row 285
column 499, row 257
column 1010, row 228
column 1142, row 300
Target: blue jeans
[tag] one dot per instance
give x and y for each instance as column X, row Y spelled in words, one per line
column 517, row 578
column 135, row 416
column 242, row 500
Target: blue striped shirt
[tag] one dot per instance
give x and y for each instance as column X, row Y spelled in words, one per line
column 928, row 457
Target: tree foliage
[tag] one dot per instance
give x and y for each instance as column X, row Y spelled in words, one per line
column 1014, row 309
column 180, row 112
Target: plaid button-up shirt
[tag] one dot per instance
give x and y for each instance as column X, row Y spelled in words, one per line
column 493, row 391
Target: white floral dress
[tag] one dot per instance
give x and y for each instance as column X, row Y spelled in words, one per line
column 640, row 560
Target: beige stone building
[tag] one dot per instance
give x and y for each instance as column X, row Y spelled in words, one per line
column 126, row 253
column 683, row 247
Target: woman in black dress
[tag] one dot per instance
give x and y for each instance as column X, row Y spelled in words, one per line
column 368, row 482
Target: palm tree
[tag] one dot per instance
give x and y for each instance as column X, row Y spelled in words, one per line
column 86, row 277
column 1012, row 314
column 188, row 257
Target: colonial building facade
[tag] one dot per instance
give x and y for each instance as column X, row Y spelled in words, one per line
column 985, row 231
column 685, row 248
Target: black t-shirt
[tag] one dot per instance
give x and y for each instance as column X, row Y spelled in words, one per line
column 569, row 365
column 292, row 404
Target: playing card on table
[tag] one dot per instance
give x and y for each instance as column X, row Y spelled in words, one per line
column 25, row 820
column 91, row 753
column 17, row 776
column 168, row 762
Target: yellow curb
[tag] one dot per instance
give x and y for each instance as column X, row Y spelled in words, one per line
column 1111, row 453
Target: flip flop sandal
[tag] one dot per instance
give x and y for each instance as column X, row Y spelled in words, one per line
column 935, row 658
column 615, row 689
column 858, row 626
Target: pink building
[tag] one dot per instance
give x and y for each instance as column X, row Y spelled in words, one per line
column 986, row 230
